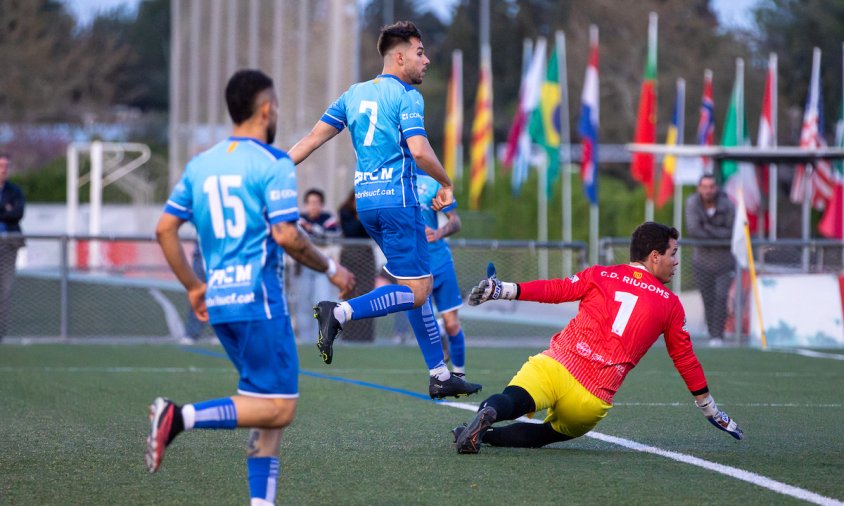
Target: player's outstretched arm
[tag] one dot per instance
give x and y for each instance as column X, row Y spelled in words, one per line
column 167, row 234
column 427, row 160
column 492, row 288
column 319, row 135
column 296, row 243
column 717, row 417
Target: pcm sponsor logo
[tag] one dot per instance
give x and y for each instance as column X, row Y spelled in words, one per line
column 232, row 275
column 378, row 175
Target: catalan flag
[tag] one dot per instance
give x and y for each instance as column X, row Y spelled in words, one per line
column 481, row 145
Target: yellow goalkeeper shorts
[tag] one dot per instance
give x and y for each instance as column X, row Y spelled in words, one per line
column 572, row 410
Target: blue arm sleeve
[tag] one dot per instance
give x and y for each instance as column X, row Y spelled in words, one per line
column 180, row 202
column 280, row 192
column 335, row 115
column 412, row 114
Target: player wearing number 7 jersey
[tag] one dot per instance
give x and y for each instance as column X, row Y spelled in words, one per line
column 386, row 121
column 623, row 310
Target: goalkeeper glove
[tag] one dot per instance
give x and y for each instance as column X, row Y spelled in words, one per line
column 492, row 288
column 718, row 418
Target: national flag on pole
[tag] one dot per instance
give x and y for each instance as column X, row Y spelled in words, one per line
column 766, row 137
column 706, row 125
column 812, row 137
column 545, row 124
column 736, row 174
column 738, row 245
column 669, row 163
column 642, row 165
column 454, row 117
column 832, row 222
column 481, row 135
column 589, row 120
column 517, row 153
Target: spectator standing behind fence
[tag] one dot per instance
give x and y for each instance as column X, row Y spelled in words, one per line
column 361, row 261
column 312, row 286
column 11, row 212
column 241, row 197
column 710, row 215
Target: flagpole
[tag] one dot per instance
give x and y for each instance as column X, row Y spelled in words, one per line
column 593, row 206
column 755, row 287
column 565, row 147
column 486, row 59
column 773, row 196
column 542, row 199
column 652, row 41
column 809, row 168
column 678, row 188
column 458, row 91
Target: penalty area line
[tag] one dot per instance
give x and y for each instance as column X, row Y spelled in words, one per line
column 732, row 472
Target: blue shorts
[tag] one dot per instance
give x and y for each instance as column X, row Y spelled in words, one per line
column 446, row 292
column 400, row 233
column 264, row 353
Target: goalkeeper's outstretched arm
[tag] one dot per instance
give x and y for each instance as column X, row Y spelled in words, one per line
column 716, row 417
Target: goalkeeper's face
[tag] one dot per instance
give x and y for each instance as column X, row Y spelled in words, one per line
column 665, row 264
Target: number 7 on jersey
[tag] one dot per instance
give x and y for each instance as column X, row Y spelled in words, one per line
column 628, row 302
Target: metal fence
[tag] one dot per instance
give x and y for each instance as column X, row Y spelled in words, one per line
column 121, row 287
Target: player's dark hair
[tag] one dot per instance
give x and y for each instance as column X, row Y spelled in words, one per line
column 314, row 191
column 242, row 93
column 650, row 236
column 395, row 34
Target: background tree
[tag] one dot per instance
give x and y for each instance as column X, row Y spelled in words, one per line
column 52, row 71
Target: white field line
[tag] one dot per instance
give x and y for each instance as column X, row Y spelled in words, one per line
column 733, row 472
column 818, row 354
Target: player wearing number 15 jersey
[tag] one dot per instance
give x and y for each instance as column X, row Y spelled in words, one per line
column 241, row 197
column 386, row 121
column 623, row 310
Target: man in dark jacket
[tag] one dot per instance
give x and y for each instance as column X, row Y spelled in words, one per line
column 710, row 215
column 11, row 212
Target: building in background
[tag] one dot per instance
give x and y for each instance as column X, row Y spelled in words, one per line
column 308, row 47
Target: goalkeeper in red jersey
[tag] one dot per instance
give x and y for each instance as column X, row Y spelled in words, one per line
column 623, row 310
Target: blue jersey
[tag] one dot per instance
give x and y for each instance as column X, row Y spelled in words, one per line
column 233, row 193
column 381, row 115
column 427, row 188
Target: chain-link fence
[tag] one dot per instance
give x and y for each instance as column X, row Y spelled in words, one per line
column 121, row 288
column 708, row 278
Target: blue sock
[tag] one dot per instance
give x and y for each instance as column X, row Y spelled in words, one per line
column 427, row 334
column 457, row 348
column 263, row 475
column 381, row 302
column 213, row 414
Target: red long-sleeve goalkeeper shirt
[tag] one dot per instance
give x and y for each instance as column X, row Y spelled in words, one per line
column 623, row 310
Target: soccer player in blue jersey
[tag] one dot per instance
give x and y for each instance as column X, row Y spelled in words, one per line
column 241, row 197
column 446, row 291
column 385, row 117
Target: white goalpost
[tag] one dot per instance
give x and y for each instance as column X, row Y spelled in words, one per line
column 110, row 161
